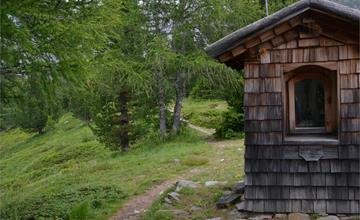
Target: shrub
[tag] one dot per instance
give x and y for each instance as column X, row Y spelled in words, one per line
column 80, row 211
column 231, row 126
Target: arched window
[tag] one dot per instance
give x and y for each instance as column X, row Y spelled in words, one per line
column 311, row 104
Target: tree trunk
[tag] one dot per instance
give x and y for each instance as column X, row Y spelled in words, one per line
column 180, row 93
column 124, row 121
column 162, row 106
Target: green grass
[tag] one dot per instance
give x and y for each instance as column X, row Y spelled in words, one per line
column 231, row 169
column 204, row 113
column 66, row 172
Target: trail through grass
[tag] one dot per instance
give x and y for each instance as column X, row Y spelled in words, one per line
column 53, row 175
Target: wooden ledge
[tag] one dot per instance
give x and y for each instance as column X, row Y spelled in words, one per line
column 311, row 139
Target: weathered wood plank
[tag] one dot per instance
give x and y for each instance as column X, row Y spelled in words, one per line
column 282, row 28
column 272, row 85
column 276, row 41
column 321, row 54
column 350, row 110
column 350, row 138
column 265, row 56
column 349, row 81
column 291, row 44
column 262, row 99
column 326, row 42
column 267, row 35
column 270, row 138
column 263, row 126
column 320, row 206
column 226, row 57
column 291, row 35
column 310, row 42
column 251, row 71
column 292, row 66
column 350, row 96
column 347, row 67
column 238, row 50
column 343, row 53
column 252, row 42
column 298, row 55
column 333, row 53
column 263, row 112
column 348, row 125
column 353, row 52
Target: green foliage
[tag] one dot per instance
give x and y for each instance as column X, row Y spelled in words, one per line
column 231, row 126
column 46, row 176
column 204, row 113
column 107, row 127
column 202, row 89
column 33, row 113
column 80, row 211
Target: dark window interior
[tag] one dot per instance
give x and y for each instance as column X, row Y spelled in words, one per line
column 309, row 103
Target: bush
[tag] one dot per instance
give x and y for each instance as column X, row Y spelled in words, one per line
column 61, row 205
column 231, row 126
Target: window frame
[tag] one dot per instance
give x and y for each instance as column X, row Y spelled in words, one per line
column 329, row 78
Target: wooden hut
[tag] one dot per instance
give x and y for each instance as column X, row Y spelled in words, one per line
column 302, row 107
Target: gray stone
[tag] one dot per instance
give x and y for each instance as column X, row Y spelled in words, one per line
column 281, row 216
column 195, row 209
column 216, row 218
column 239, row 187
column 214, row 183
column 235, row 215
column 174, row 196
column 298, row 216
column 186, row 184
column 175, row 212
column 167, row 200
column 351, row 217
column 227, row 200
column 329, row 217
column 260, row 217
column 240, row 206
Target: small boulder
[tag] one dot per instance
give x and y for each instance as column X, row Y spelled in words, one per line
column 329, row 217
column 260, row 217
column 195, row 209
column 240, row 206
column 239, row 187
column 298, row 216
column 281, row 216
column 214, row 183
column 216, row 218
column 173, row 212
column 174, row 196
column 351, row 217
column 167, row 200
column 186, row 184
column 235, row 214
column 227, row 200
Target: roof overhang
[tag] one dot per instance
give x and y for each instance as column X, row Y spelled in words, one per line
column 238, row 37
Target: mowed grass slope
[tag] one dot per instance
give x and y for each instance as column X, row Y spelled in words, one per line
column 52, row 175
column 204, row 113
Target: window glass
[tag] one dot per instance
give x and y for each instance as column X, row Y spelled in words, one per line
column 309, row 103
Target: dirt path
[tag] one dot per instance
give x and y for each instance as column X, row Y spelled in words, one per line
column 135, row 207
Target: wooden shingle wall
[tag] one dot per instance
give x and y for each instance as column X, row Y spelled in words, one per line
column 278, row 178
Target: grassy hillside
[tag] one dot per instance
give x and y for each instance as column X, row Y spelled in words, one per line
column 67, row 172
column 204, row 113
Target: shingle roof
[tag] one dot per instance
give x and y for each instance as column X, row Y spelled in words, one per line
column 232, row 40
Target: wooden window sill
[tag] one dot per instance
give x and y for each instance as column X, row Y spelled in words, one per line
column 311, row 139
